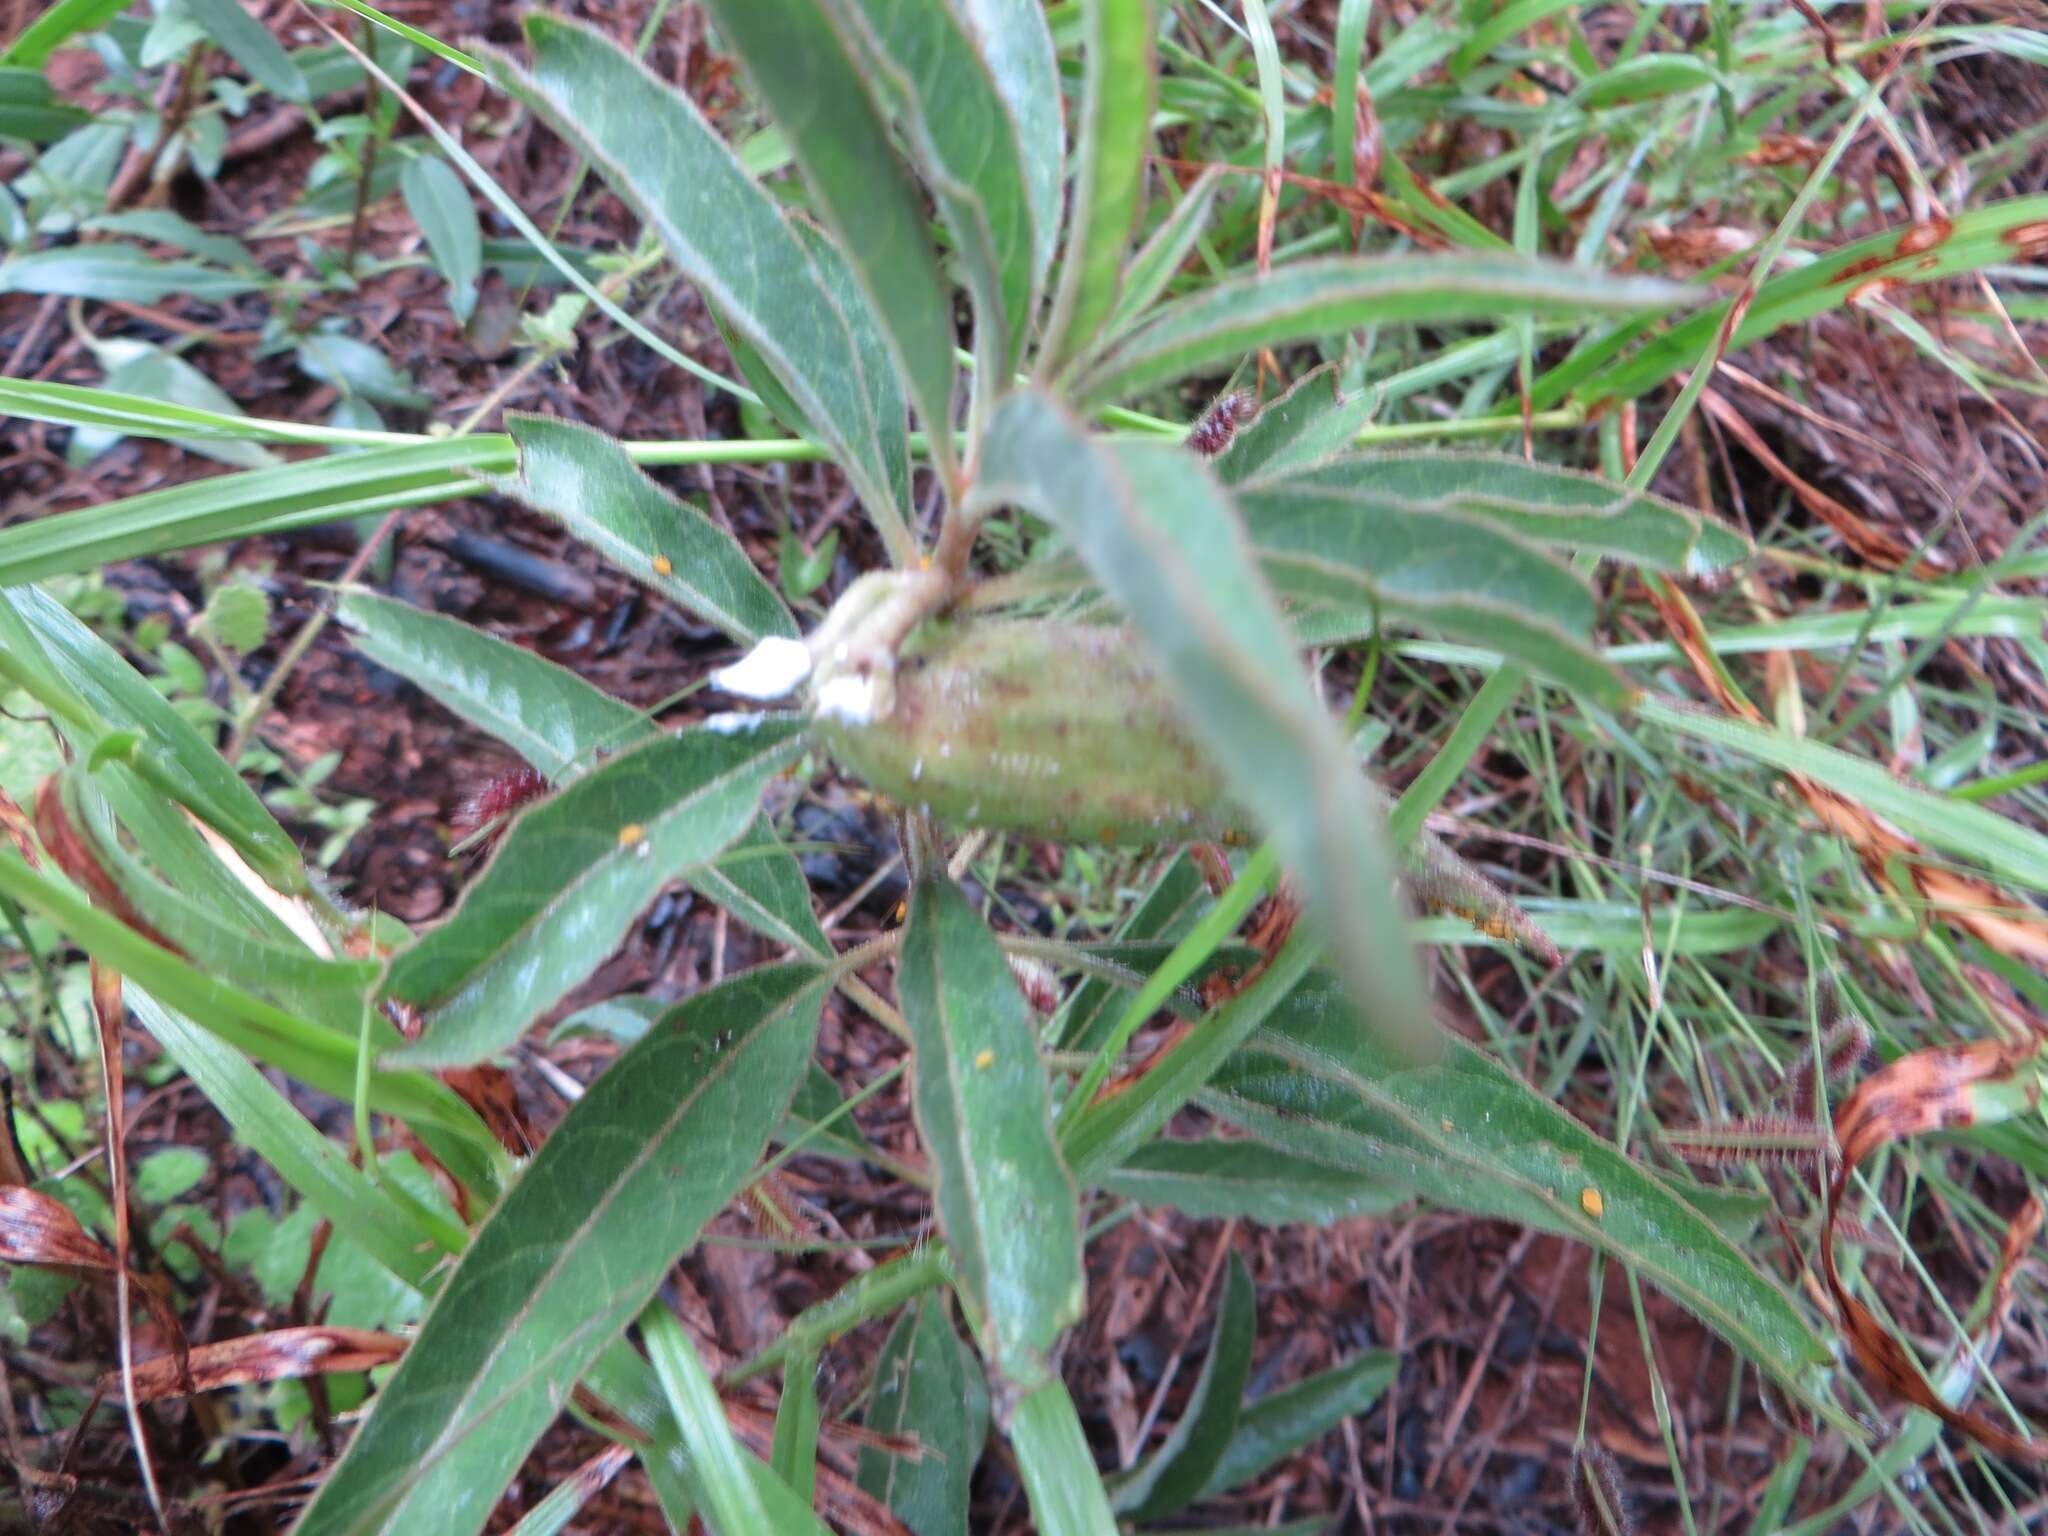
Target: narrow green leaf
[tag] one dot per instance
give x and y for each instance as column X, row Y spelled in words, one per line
column 169, row 228
column 36, row 628
column 111, row 270
column 1352, row 16
column 29, row 108
column 737, row 1491
column 818, row 1099
column 1343, row 562
column 440, row 205
column 581, row 477
column 1118, row 80
column 249, row 43
column 1464, row 1132
column 1174, row 1475
column 302, row 495
column 795, row 1448
column 1562, row 507
column 649, row 1154
column 1159, row 260
column 56, row 26
column 266, row 1122
column 759, row 881
column 731, row 239
column 1017, row 48
column 544, row 712
column 811, row 81
column 1005, row 1200
column 1059, row 1472
column 1166, row 544
column 966, row 145
column 1163, row 913
column 1214, row 1179
column 1281, row 1423
column 2009, row 850
column 570, row 877
column 1977, row 238
column 1306, row 299
column 929, row 1387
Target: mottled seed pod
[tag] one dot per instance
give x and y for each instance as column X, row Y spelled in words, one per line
column 1041, row 727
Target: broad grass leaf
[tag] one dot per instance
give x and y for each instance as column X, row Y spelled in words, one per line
column 1159, row 259
column 729, row 237
column 811, row 79
column 927, row 1385
column 267, row 1123
column 88, row 687
column 1166, row 543
column 59, row 22
column 1014, row 43
column 584, row 480
column 1282, row 1422
column 1543, row 503
column 1465, row 1133
column 651, row 1152
column 1005, row 1200
column 733, row 1490
column 570, row 877
column 1306, row 299
column 302, row 495
column 2001, row 845
column 1115, row 126
column 1060, row 1477
column 1174, row 1475
column 544, row 712
column 1214, row 1179
column 926, row 59
column 1914, row 253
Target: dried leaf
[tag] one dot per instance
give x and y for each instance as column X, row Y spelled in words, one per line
column 274, row 1356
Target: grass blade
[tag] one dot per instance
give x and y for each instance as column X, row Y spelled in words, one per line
column 1175, row 1474
column 927, row 1385
column 1059, row 1473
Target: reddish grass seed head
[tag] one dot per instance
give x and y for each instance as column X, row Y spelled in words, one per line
column 501, row 796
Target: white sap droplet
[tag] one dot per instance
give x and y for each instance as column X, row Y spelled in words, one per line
column 771, row 670
column 847, row 698
column 731, row 723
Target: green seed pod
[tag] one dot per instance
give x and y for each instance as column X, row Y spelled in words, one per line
column 1043, row 727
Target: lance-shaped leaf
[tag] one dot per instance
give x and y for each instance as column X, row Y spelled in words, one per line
column 1307, row 299
column 1464, row 1132
column 565, row 728
column 922, row 53
column 1341, row 564
column 623, row 1186
column 1540, row 502
column 1165, row 542
column 812, row 82
column 545, row 713
column 1214, row 1179
column 1155, row 263
column 91, row 690
column 1174, row 1475
column 583, row 478
column 1005, row 1199
column 570, row 877
column 1282, row 1422
column 1013, row 40
column 1118, row 76
column 731, row 239
column 928, row 1387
